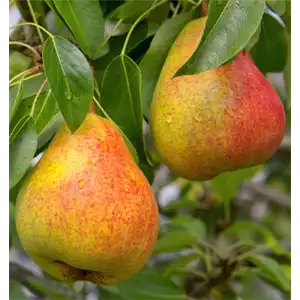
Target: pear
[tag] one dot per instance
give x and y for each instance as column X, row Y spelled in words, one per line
column 219, row 120
column 86, row 211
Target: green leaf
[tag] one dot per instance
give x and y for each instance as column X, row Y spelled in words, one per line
column 252, row 287
column 130, row 10
column 194, row 226
column 15, row 129
column 240, row 228
column 21, row 152
column 270, row 52
column 109, row 6
column 13, row 193
column 278, row 6
column 287, row 73
column 18, row 62
column 121, row 99
column 109, row 293
column 15, row 291
column 227, row 184
column 157, row 16
column 60, row 19
column 115, row 28
column 287, row 271
column 15, row 97
column 31, row 86
column 116, row 43
column 286, row 17
column 154, row 58
column 49, row 130
column 47, row 111
column 254, row 39
column 151, row 285
column 70, row 78
column 229, row 27
column 175, row 240
column 271, row 269
column 14, row 240
column 51, row 289
column 46, row 115
column 85, row 20
column 180, row 263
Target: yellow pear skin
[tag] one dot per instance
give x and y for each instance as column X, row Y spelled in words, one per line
column 86, row 211
column 219, row 120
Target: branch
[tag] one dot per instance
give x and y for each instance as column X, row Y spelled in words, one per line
column 201, row 289
column 270, row 194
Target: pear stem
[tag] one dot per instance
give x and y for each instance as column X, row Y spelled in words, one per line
column 204, row 8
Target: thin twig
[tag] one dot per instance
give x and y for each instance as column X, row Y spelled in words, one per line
column 32, row 24
column 268, row 193
column 137, row 22
column 35, row 21
column 112, row 32
column 26, row 46
column 176, row 9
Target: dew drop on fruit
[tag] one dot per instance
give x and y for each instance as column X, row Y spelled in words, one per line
column 169, row 119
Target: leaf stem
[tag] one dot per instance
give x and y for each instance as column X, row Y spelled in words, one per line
column 210, row 246
column 227, row 213
column 26, row 46
column 192, row 2
column 101, row 108
column 32, row 24
column 27, row 78
column 246, row 254
column 35, row 21
column 176, row 9
column 97, row 89
column 191, row 271
column 112, row 32
column 28, row 71
column 206, row 259
column 136, row 23
column 36, row 97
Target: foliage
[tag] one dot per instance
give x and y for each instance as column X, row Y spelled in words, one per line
column 217, row 239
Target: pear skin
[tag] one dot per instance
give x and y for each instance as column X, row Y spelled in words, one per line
column 219, row 120
column 86, row 211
